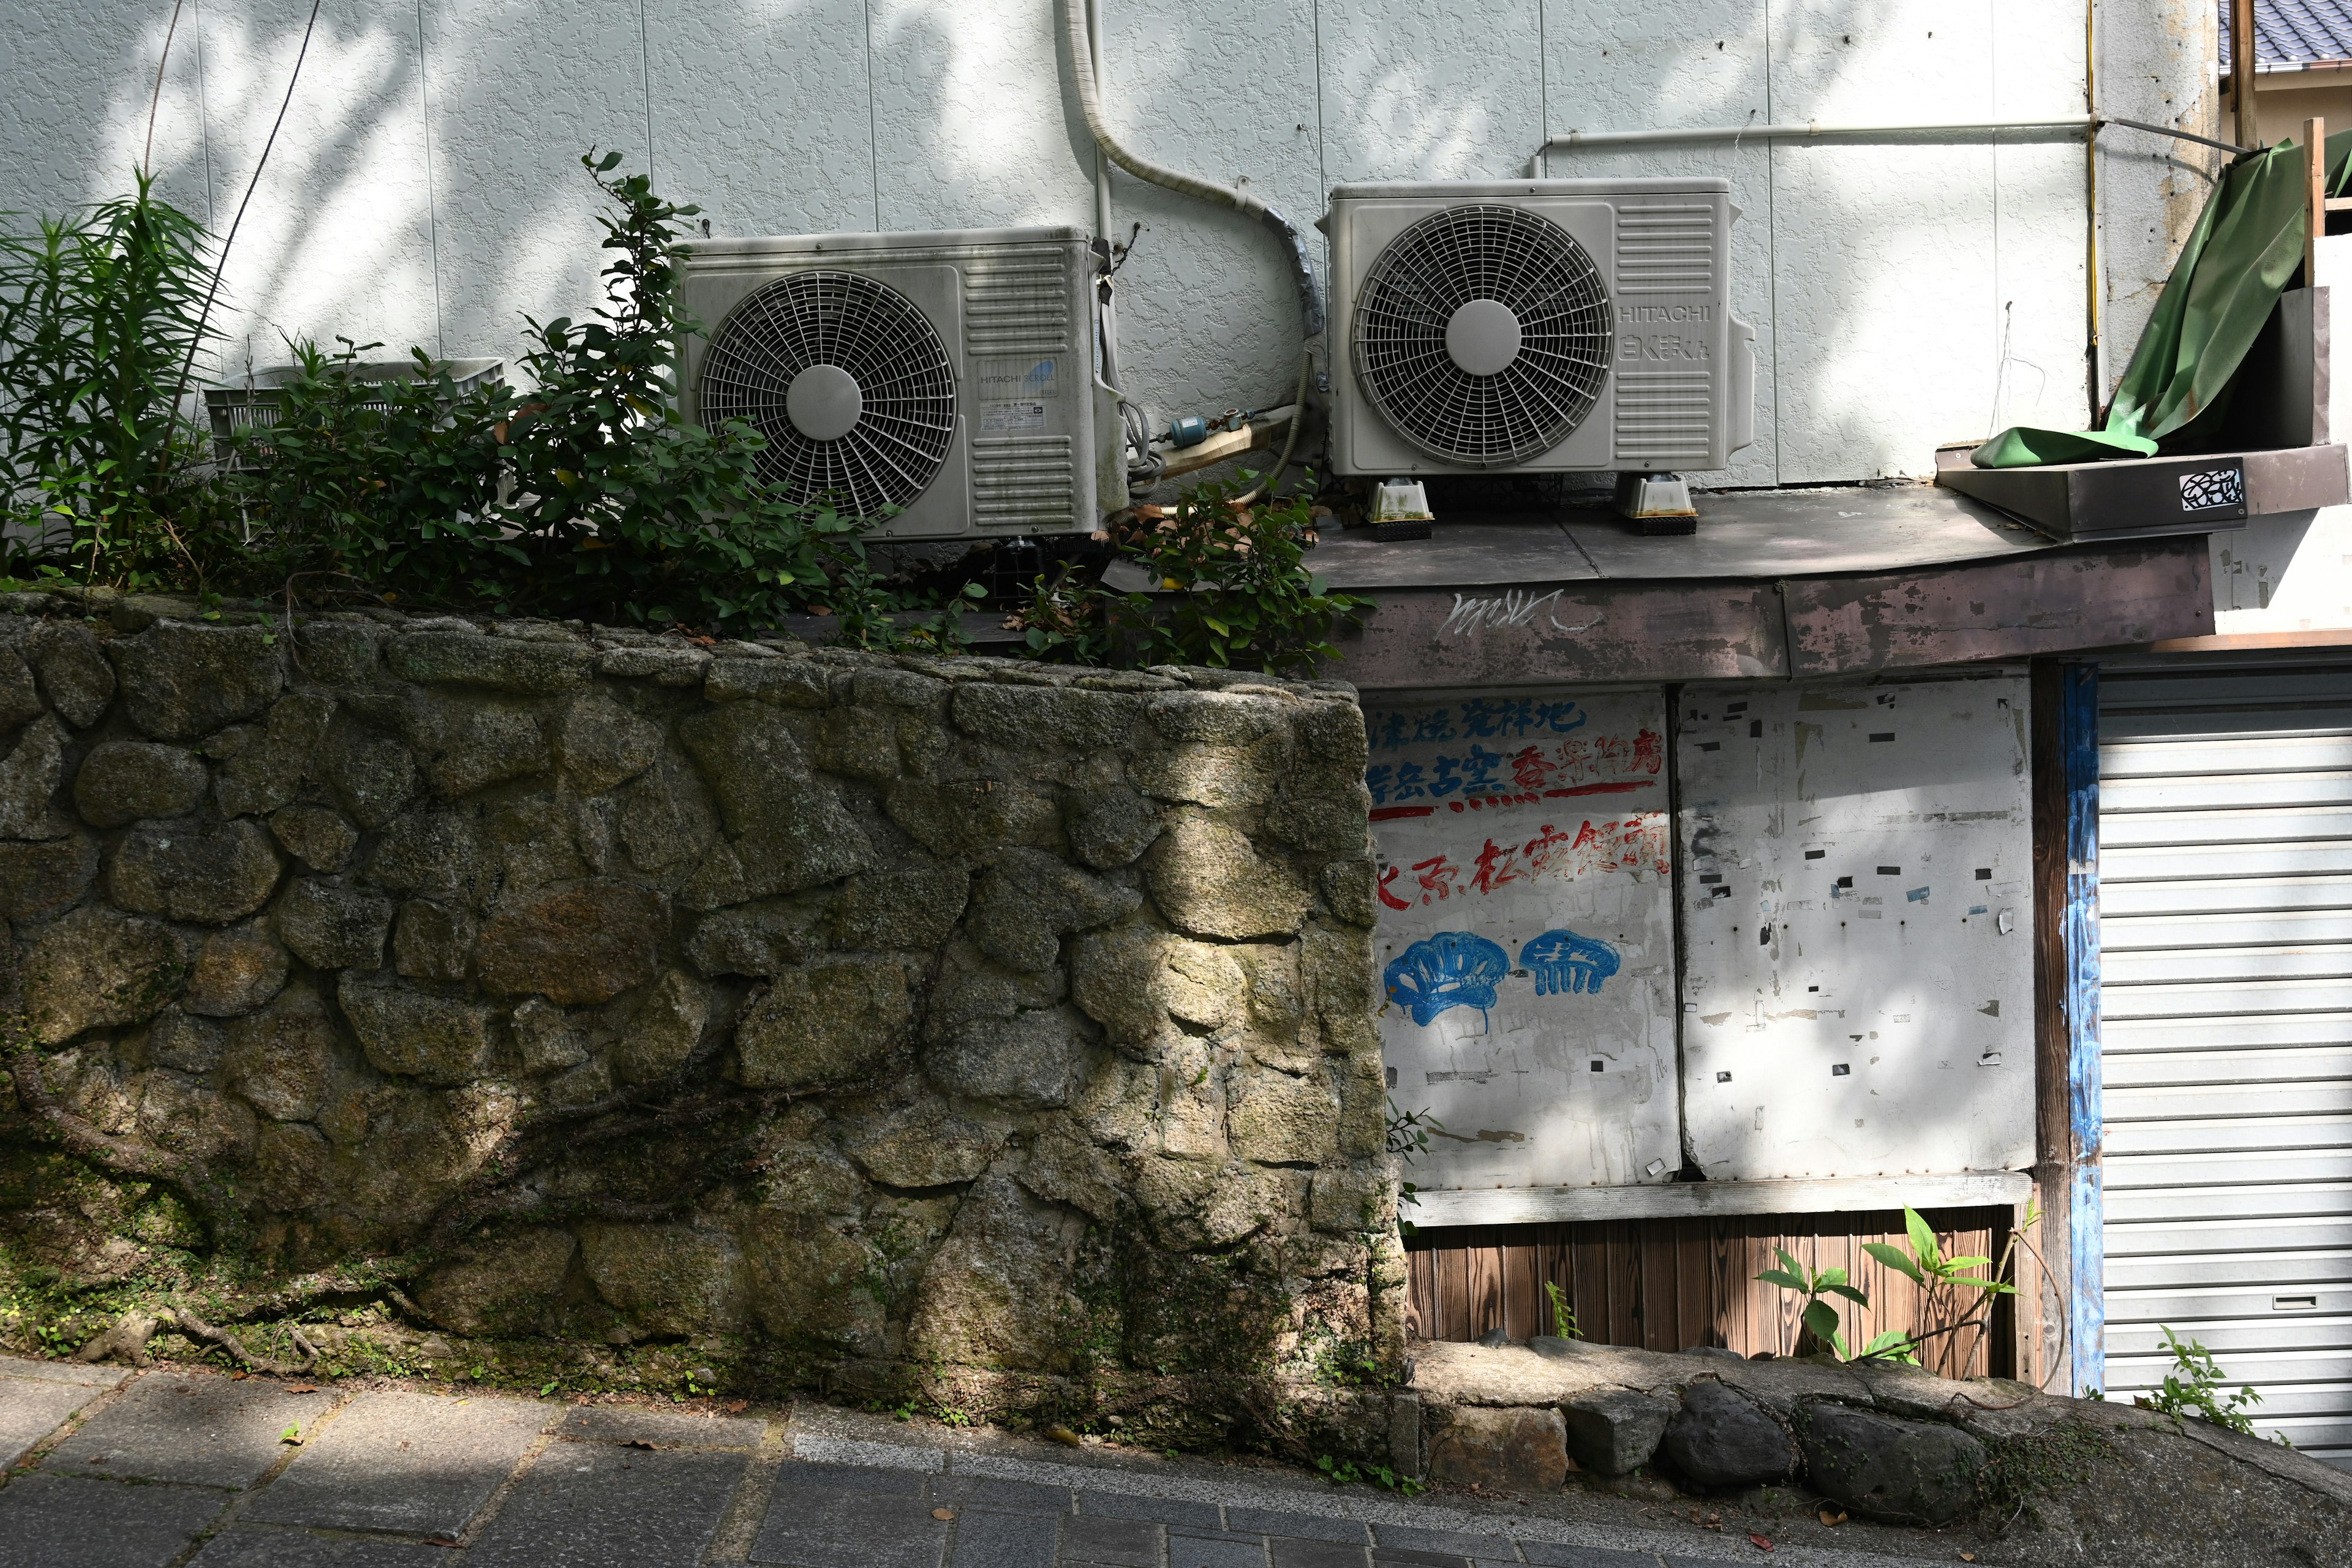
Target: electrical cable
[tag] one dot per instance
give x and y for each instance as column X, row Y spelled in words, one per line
column 1302, row 262
column 1290, row 439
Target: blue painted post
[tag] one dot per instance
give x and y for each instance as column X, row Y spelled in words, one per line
column 2086, row 1118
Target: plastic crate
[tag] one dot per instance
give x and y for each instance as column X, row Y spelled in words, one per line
column 252, row 403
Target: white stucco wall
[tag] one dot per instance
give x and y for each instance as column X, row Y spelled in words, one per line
column 424, row 187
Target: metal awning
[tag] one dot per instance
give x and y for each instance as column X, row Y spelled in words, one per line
column 1775, row 585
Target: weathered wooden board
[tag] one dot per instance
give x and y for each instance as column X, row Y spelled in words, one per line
column 2050, row 603
column 1667, row 1284
column 1550, row 632
column 1556, row 630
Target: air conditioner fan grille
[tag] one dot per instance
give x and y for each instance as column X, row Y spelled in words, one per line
column 1445, row 262
column 905, row 424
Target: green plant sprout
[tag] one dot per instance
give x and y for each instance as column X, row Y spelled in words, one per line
column 2193, row 1388
column 1818, row 1325
column 1944, row 1282
column 1563, row 1316
column 1347, row 1472
column 1409, row 1133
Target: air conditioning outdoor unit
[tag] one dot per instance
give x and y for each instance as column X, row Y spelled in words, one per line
column 1536, row 326
column 948, row 375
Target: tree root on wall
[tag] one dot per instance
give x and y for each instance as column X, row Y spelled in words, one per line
column 196, row 1329
column 127, row 1339
column 124, row 1155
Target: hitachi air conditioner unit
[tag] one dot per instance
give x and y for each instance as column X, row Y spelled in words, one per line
column 949, row 376
column 1536, row 326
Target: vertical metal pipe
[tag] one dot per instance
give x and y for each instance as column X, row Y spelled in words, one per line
column 1102, row 159
column 2241, row 72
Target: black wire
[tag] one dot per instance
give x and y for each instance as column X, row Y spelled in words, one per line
column 221, row 265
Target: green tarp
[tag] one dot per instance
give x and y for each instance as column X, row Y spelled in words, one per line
column 2247, row 243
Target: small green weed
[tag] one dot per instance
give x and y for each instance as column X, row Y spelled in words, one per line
column 2193, row 1387
column 1347, row 1472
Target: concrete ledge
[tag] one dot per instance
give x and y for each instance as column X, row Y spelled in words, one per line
column 1665, row 1200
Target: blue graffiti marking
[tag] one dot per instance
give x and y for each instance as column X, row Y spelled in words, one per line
column 1566, row 963
column 1452, row 968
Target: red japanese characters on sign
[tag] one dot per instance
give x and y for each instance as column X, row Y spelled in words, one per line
column 1635, row 843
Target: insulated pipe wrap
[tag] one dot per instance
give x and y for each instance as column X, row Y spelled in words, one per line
column 1302, row 261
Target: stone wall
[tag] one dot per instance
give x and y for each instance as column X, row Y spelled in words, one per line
column 993, row 1029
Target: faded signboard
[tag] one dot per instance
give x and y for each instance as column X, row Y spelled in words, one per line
column 1858, row 990
column 1526, row 936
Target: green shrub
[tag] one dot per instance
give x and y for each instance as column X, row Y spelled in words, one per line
column 1237, row 591
column 101, row 322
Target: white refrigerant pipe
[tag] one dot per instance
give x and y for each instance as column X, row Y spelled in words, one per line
column 1082, row 66
column 2069, row 124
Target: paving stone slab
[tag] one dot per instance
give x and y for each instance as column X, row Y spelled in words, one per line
column 1454, row 1542
column 1303, row 1526
column 1560, row 1555
column 1401, row 1557
column 669, row 1428
column 63, row 1371
column 1295, row 1553
column 1013, row 1497
column 1111, row 1542
column 1191, row 1549
column 404, row 1462
column 66, row 1521
column 588, row 1506
column 828, row 1527
column 200, row 1431
column 31, row 1411
column 288, row 1548
column 849, row 1479
column 987, row 1539
column 1166, row 1510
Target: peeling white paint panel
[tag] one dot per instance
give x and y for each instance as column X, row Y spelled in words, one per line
column 1858, row 928
column 1526, row 936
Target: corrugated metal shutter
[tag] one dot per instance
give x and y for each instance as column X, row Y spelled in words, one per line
column 2225, row 866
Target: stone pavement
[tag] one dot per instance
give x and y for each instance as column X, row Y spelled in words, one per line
column 107, row 1469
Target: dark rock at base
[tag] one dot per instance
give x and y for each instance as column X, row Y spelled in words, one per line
column 1515, row 1449
column 1900, row 1472
column 1722, row 1439
column 1612, row 1431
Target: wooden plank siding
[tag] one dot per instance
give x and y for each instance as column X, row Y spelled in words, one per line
column 1668, row 1284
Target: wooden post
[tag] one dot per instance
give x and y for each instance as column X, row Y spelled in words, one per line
column 2068, row 1080
column 2242, row 71
column 2314, row 196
